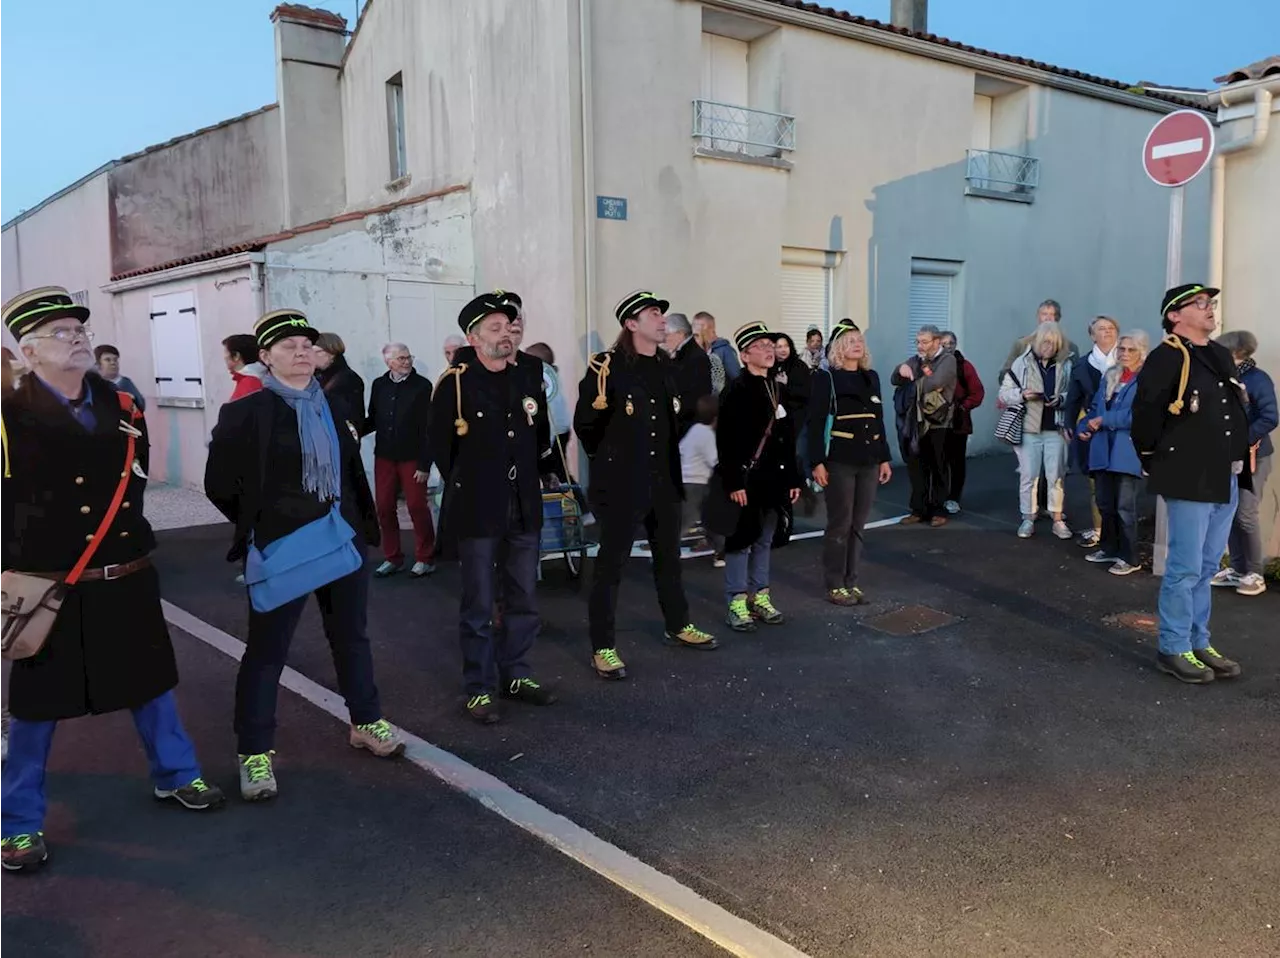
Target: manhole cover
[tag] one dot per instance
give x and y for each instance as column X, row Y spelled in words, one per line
column 912, row 620
column 1144, row 622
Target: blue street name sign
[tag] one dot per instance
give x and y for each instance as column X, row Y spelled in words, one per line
column 611, row 208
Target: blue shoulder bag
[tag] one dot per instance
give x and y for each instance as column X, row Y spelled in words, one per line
column 320, row 552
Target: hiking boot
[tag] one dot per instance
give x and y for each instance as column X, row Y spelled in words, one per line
column 527, row 690
column 738, row 617
column 257, row 777
column 481, row 708
column 386, row 568
column 1185, row 667
column 196, row 795
column 1061, row 529
column 378, row 737
column 843, row 596
column 1120, row 567
column 1223, row 667
column 1100, row 556
column 421, row 569
column 1251, row 584
column 1226, row 578
column 1027, row 529
column 692, row 638
column 762, row 608
column 608, row 664
column 23, row 851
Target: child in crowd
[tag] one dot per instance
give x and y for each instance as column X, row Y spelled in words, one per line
column 697, row 460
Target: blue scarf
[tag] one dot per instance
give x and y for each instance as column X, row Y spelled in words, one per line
column 321, row 468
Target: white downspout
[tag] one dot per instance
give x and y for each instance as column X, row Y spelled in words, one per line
column 1262, row 97
column 588, row 173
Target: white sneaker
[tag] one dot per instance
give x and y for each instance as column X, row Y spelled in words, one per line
column 951, row 506
column 1027, row 529
column 421, row 568
column 1062, row 530
column 1228, row 577
column 1088, row 539
column 1252, row 584
column 1101, row 556
column 1120, row 567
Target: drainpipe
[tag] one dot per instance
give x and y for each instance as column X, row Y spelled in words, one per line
column 588, row 173
column 1262, row 96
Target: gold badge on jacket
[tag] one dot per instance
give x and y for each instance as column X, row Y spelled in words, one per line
column 530, row 407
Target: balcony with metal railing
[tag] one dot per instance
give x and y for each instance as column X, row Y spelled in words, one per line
column 1003, row 176
column 722, row 128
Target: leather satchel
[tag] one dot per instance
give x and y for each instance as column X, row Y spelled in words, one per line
column 31, row 603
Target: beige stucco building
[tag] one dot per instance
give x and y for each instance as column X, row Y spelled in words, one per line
column 759, row 159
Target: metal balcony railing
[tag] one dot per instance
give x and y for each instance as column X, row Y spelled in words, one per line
column 737, row 129
column 988, row 172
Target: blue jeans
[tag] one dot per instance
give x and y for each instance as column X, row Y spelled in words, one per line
column 1197, row 538
column 747, row 571
column 169, row 751
column 490, row 656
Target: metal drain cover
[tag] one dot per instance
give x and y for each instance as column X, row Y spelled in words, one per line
column 911, row 620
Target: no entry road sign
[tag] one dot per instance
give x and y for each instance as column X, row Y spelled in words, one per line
column 1178, row 148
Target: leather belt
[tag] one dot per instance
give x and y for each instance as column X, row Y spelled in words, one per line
column 103, row 573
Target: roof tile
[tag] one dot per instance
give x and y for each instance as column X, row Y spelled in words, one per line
column 1269, row 66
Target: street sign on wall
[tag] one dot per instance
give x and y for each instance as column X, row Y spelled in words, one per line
column 611, row 208
column 1178, row 148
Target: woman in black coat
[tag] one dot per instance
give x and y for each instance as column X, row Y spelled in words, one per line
column 791, row 371
column 279, row 460
column 757, row 478
column 337, row 378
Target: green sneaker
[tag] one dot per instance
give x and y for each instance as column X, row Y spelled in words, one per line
column 257, row 777
column 378, row 737
column 481, row 708
column 608, row 664
column 762, row 608
column 691, row 637
column 528, row 690
column 196, row 795
column 739, row 616
column 23, row 851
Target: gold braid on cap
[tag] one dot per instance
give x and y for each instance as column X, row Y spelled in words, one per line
column 1175, row 407
column 601, row 368
column 460, row 425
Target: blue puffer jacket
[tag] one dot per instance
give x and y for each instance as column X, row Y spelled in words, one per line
column 1111, row 449
column 1261, row 409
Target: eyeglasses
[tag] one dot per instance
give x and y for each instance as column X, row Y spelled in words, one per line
column 1126, row 349
column 401, row 358
column 1200, row 302
column 67, row 334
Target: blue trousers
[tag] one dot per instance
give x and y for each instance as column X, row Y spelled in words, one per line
column 747, row 572
column 1197, row 538
column 491, row 566
column 169, row 751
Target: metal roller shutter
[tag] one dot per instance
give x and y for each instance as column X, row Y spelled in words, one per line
column 806, row 301
column 930, row 304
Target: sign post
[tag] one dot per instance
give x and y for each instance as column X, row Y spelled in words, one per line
column 1176, row 151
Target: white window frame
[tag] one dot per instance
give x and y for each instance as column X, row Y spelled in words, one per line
column 183, row 384
column 396, row 138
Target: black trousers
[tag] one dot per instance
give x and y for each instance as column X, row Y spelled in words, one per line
column 851, row 491
column 955, row 449
column 617, row 532
column 1117, row 499
column 496, row 568
column 928, row 473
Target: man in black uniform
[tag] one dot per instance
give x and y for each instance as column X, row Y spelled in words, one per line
column 1189, row 427
column 488, row 431
column 75, row 468
column 627, row 421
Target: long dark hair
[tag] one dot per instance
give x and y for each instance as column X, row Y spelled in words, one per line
column 792, row 360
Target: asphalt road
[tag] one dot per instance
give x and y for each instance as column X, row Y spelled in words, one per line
column 1016, row 782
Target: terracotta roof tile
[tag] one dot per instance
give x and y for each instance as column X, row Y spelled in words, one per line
column 956, row 45
column 1270, row 66
column 296, row 11
column 188, row 260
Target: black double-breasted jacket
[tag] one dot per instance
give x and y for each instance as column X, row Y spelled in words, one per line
column 253, row 474
column 622, row 439
column 109, row 648
column 504, row 448
column 1188, row 453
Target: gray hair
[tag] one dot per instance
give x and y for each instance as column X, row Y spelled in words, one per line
column 1240, row 342
column 1046, row 331
column 390, row 348
column 948, row 333
column 679, row 323
column 930, row 330
column 453, row 340
column 1093, row 324
column 1140, row 339
column 1054, row 305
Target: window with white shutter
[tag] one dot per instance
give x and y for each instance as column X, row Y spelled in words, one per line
column 806, row 301
column 175, row 348
column 933, row 299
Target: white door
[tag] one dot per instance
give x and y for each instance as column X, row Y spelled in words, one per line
column 421, row 315
column 806, row 301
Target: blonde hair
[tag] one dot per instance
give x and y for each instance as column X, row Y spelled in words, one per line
column 838, row 351
column 1043, row 333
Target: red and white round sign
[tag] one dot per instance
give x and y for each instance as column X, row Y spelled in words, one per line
column 1178, row 148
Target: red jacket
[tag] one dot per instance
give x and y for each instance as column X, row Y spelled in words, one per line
column 969, row 396
column 246, row 385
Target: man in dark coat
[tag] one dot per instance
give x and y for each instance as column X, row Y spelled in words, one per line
column 1192, row 432
column 399, row 402
column 931, row 376
column 693, row 370
column 66, row 459
column 490, row 437
column 627, row 420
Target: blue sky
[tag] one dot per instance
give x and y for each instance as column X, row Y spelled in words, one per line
column 85, row 81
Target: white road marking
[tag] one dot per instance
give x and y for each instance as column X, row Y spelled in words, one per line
column 1178, row 148
column 663, row 892
column 638, row 552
